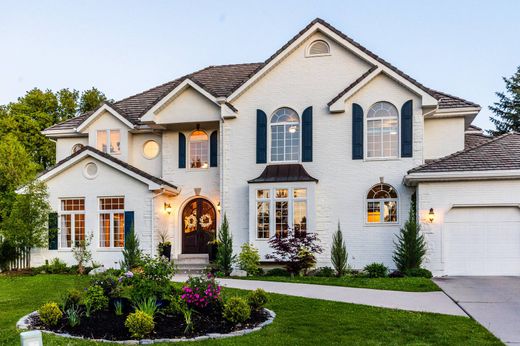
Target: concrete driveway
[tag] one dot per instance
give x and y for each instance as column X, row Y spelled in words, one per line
column 494, row 301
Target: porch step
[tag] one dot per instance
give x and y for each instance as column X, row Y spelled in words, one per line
column 191, row 264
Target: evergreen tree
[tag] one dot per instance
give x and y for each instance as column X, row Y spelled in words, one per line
column 410, row 247
column 225, row 257
column 132, row 253
column 507, row 109
column 338, row 253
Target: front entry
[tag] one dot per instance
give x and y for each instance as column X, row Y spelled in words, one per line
column 198, row 226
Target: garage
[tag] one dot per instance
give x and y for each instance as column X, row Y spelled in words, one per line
column 482, row 241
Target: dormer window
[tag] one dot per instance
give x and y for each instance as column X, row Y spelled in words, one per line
column 199, row 150
column 318, row 48
column 109, row 141
column 285, row 136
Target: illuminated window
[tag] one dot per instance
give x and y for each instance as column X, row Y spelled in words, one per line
column 382, row 204
column 199, row 149
column 150, row 149
column 382, row 131
column 285, row 135
column 112, row 222
column 72, row 216
column 109, row 141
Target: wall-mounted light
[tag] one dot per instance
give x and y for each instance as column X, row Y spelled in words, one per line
column 431, row 215
column 218, row 207
column 167, row 208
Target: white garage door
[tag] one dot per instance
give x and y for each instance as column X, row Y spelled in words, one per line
column 482, row 241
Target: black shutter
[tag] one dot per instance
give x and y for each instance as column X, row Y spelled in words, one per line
column 357, row 132
column 213, row 149
column 307, row 135
column 129, row 224
column 261, row 136
column 53, row 231
column 182, row 150
column 407, row 129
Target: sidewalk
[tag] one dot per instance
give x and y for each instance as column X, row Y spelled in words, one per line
column 436, row 302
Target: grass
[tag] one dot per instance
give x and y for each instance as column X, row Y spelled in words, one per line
column 299, row 321
column 407, row 284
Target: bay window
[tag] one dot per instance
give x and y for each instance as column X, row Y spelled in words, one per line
column 72, row 215
column 111, row 222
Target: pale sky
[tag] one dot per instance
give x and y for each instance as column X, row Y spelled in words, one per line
column 124, row 47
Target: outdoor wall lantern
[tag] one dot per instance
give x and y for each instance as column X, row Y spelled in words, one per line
column 32, row 338
column 431, row 215
column 167, row 208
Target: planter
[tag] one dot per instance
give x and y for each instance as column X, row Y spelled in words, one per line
column 212, row 252
column 166, row 251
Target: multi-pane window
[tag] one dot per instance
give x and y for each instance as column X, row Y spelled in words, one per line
column 199, row 149
column 109, row 141
column 279, row 210
column 382, row 204
column 72, row 216
column 285, row 135
column 112, row 222
column 382, row 131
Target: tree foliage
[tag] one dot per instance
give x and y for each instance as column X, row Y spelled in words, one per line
column 225, row 257
column 507, row 108
column 338, row 253
column 132, row 255
column 410, row 247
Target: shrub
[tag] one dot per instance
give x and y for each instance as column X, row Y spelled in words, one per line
column 326, row 272
column 410, row 247
column 419, row 272
column 153, row 280
column 73, row 315
column 82, row 253
column 376, row 270
column 225, row 255
column 295, row 250
column 56, row 267
column 277, row 272
column 95, row 299
column 338, row 253
column 108, row 282
column 249, row 259
column 396, row 274
column 118, row 307
column 132, row 256
column 139, row 324
column 7, row 253
column 148, row 306
column 257, row 299
column 236, row 310
column 50, row 314
column 200, row 291
column 72, row 298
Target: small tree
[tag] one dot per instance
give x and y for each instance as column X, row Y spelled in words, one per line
column 410, row 247
column 82, row 253
column 249, row 259
column 26, row 225
column 297, row 252
column 338, row 253
column 132, row 254
column 225, row 257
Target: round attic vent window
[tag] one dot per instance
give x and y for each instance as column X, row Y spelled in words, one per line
column 91, row 170
column 151, row 149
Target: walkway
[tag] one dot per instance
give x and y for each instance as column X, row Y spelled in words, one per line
column 436, row 302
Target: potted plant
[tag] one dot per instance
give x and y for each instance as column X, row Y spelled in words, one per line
column 165, row 245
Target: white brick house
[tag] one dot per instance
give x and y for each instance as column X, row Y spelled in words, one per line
column 322, row 131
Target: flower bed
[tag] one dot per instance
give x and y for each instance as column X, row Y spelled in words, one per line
column 142, row 303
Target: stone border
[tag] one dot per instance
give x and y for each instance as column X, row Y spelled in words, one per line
column 24, row 324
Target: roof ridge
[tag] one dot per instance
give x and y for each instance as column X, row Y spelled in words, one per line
column 460, row 152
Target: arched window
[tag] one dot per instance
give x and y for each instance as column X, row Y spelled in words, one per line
column 285, row 135
column 382, row 204
column 318, row 48
column 199, row 149
column 382, row 131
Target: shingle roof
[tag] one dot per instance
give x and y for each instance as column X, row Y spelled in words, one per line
column 500, row 153
column 223, row 80
column 283, row 174
column 113, row 159
column 473, row 139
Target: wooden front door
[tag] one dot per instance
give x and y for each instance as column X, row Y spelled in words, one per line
column 198, row 226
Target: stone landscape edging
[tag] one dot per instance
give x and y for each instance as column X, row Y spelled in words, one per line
column 24, row 324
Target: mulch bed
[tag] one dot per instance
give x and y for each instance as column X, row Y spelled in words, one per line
column 107, row 325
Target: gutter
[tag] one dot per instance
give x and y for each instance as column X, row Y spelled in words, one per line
column 413, row 179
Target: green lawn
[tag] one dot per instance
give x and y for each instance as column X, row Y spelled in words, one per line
column 408, row 284
column 299, row 321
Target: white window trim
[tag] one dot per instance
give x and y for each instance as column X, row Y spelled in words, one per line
column 365, row 135
column 200, row 169
column 107, row 131
column 111, row 212
column 272, row 208
column 72, row 222
column 381, row 210
column 270, row 139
